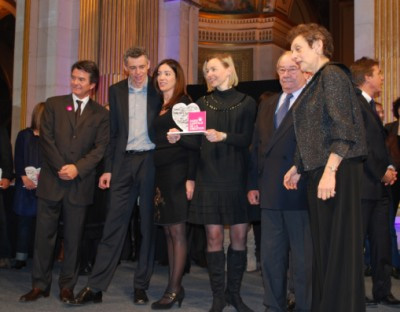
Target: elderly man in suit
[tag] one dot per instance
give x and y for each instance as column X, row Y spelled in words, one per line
column 74, row 134
column 6, row 175
column 129, row 173
column 378, row 173
column 284, row 215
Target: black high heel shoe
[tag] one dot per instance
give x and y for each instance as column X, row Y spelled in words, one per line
column 171, row 297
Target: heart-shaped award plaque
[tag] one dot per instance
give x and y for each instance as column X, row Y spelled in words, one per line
column 180, row 114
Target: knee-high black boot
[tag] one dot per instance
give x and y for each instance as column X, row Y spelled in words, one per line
column 236, row 267
column 216, row 271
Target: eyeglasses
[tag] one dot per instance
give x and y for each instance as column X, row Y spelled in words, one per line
column 290, row 70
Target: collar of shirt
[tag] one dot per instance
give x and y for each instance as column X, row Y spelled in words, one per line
column 132, row 89
column 84, row 102
column 292, row 100
column 366, row 96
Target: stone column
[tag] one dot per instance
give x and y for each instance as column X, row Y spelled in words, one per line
column 178, row 34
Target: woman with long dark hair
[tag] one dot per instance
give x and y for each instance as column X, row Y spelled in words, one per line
column 174, row 179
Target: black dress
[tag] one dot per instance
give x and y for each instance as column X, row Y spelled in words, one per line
column 220, row 192
column 174, row 166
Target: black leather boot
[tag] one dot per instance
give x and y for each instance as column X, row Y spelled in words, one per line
column 236, row 267
column 216, row 271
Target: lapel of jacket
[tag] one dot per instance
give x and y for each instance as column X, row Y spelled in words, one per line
column 124, row 100
column 88, row 111
column 70, row 109
column 284, row 126
column 373, row 113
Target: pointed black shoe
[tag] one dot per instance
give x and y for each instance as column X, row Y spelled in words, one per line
column 140, row 297
column 389, row 300
column 170, row 298
column 85, row 296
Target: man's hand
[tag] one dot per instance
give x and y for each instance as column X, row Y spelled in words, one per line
column 4, row 183
column 291, row 179
column 253, row 197
column 390, row 176
column 105, row 180
column 68, row 172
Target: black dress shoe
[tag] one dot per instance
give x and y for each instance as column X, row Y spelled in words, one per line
column 87, row 295
column 19, row 264
column 389, row 300
column 86, row 270
column 370, row 302
column 34, row 294
column 168, row 300
column 290, row 305
column 66, row 295
column 368, row 271
column 395, row 273
column 139, row 296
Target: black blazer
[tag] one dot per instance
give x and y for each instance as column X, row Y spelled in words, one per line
column 64, row 142
column 6, row 163
column 377, row 160
column 119, row 121
column 327, row 118
column 272, row 152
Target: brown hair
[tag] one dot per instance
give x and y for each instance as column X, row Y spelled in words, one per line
column 37, row 115
column 135, row 52
column 90, row 67
column 361, row 68
column 311, row 33
column 180, row 85
column 227, row 61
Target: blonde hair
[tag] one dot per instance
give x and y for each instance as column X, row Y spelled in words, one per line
column 227, row 62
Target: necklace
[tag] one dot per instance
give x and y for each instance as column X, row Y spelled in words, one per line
column 211, row 106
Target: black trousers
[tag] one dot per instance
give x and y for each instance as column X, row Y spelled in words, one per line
column 48, row 215
column 336, row 231
column 283, row 231
column 135, row 179
column 376, row 214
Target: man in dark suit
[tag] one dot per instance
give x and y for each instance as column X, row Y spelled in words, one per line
column 74, row 133
column 6, row 175
column 284, row 215
column 129, row 173
column 378, row 174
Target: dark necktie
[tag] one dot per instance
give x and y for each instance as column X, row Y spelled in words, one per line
column 372, row 103
column 280, row 114
column 78, row 110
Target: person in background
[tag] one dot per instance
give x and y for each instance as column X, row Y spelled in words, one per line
column 330, row 149
column 175, row 174
column 393, row 145
column 220, row 194
column 6, row 175
column 27, row 160
column 378, row 174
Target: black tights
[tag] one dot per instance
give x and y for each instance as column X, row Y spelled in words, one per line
column 177, row 254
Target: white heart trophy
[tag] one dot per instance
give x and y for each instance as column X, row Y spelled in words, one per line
column 32, row 173
column 180, row 114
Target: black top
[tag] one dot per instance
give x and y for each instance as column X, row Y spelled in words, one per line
column 327, row 119
column 166, row 152
column 224, row 163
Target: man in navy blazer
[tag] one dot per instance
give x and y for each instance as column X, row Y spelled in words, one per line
column 284, row 214
column 74, row 133
column 129, row 173
column 378, row 173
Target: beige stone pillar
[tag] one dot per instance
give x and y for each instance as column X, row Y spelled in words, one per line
column 108, row 28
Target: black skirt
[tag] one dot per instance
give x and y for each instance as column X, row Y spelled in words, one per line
column 171, row 205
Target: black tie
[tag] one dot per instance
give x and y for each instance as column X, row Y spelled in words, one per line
column 372, row 103
column 78, row 110
column 280, row 114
